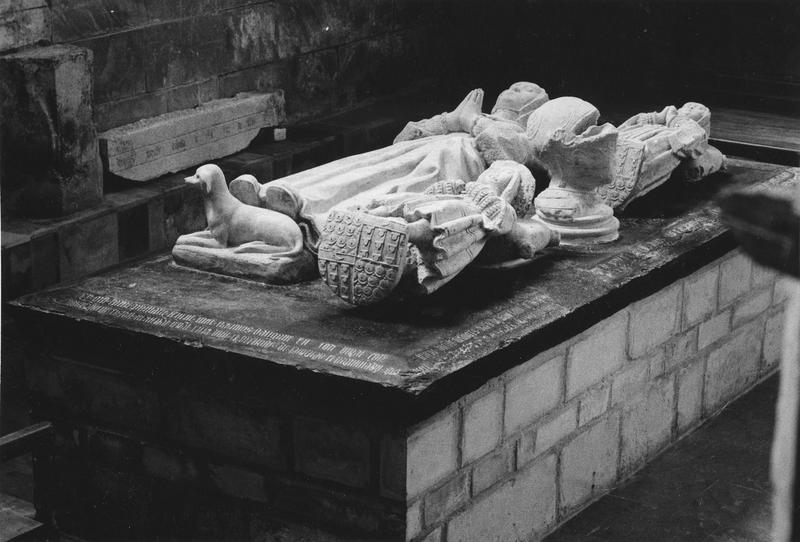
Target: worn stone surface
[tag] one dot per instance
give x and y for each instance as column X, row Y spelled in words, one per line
column 523, row 506
column 492, row 468
column 483, row 423
column 647, row 424
column 714, row 329
column 23, row 23
column 593, row 404
column 750, row 307
column 700, row 296
column 653, row 321
column 690, row 394
column 734, row 278
column 599, row 354
column 589, row 462
column 432, row 454
column 50, row 158
column 174, row 141
column 732, row 366
column 531, row 394
column 332, row 451
column 441, row 502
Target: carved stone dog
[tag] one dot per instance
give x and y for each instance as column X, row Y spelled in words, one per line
column 244, row 228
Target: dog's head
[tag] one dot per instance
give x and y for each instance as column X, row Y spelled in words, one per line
column 206, row 178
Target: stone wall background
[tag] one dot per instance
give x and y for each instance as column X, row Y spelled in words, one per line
column 156, row 56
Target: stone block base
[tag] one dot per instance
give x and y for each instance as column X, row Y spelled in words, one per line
column 527, row 450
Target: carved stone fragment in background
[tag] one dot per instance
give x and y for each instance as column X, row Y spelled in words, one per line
column 171, row 142
column 51, row 166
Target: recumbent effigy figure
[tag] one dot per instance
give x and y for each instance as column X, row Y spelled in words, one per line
column 428, row 204
column 654, row 147
column 453, row 146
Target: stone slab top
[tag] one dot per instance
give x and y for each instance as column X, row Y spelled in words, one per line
column 480, row 325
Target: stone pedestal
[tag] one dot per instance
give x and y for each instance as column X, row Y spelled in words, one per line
column 50, row 153
column 475, row 414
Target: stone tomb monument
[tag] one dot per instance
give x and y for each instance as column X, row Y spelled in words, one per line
column 452, row 189
column 195, row 405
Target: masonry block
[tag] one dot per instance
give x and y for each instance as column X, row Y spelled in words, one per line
column 700, row 295
column 773, row 340
column 113, row 449
column 50, row 158
column 169, row 465
column 332, row 451
column 23, row 23
column 690, row 395
column 680, row 348
column 714, row 329
column 732, row 366
column 414, row 520
column 393, row 466
column 17, row 270
column 734, row 278
column 531, row 394
column 233, row 431
column 45, row 261
column 492, row 468
column 88, row 246
column 751, row 307
column 599, row 353
column 551, row 432
column 593, row 404
column 589, row 462
column 647, row 425
column 436, row 535
column 514, row 511
column 657, row 361
column 432, row 453
column 79, row 389
column 483, row 425
column 629, row 382
column 762, row 275
column 237, row 482
column 440, row 502
column 654, row 320
column 538, row 440
column 783, row 286
column 174, row 141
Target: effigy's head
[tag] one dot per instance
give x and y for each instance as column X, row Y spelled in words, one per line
column 522, row 98
column 513, row 182
column 566, row 139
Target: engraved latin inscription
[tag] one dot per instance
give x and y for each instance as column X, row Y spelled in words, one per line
column 208, row 329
